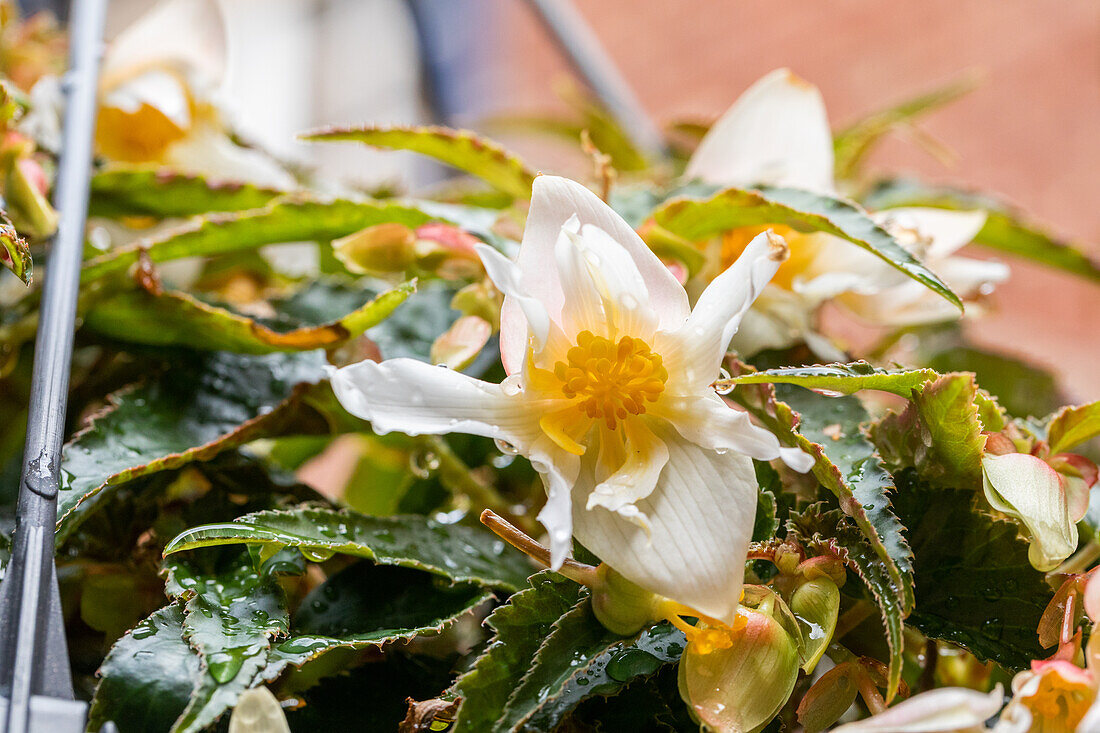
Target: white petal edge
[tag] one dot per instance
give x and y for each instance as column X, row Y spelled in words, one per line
column 188, row 35
column 776, row 133
column 506, row 275
column 558, row 471
column 936, row 711
column 948, row 230
column 700, row 515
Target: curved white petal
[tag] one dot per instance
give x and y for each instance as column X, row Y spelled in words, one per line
column 947, row 231
column 636, row 477
column 695, row 350
column 777, row 133
column 188, row 35
column 943, row 710
column 162, row 90
column 558, row 471
column 207, row 150
column 507, row 277
column 409, row 396
column 711, row 423
column 700, row 514
column 1026, row 488
column 554, row 201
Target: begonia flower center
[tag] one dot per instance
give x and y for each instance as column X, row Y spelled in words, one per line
column 1061, row 699
column 611, row 380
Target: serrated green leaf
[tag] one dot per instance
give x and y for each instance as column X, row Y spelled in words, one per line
column 843, row 378
column 461, row 149
column 290, row 219
column 832, row 532
column 200, row 406
column 520, row 626
column 1005, row 230
column 160, row 192
column 852, row 144
column 939, row 433
column 230, row 619
column 975, row 586
column 462, row 554
column 14, row 252
column 580, row 659
column 700, row 220
column 179, row 319
column 1071, row 426
column 147, row 677
column 368, row 605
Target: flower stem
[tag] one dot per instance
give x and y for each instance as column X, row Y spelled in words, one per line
column 871, row 696
column 575, row 571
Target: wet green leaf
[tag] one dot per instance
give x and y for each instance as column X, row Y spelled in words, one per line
column 521, row 625
column 119, row 191
column 147, row 677
column 975, row 586
column 14, row 252
column 461, row 149
column 290, row 219
column 460, row 553
column 179, row 319
column 702, row 219
column 1005, row 230
column 200, row 406
column 844, row 378
column 1071, row 426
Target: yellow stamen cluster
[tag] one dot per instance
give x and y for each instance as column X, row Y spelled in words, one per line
column 611, row 380
column 704, row 639
column 1060, row 698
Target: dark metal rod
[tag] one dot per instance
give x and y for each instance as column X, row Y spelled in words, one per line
column 586, row 55
column 26, row 647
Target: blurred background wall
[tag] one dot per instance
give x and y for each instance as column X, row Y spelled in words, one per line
column 1030, row 132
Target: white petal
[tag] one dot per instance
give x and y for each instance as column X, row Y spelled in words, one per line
column 711, row 423
column 937, row 711
column 1026, row 488
column 188, row 35
column 159, row 89
column 558, row 471
column 555, row 201
column 506, row 275
column 776, row 133
column 208, row 151
column 409, row 396
column 948, row 231
column 695, row 351
column 700, row 514
column 635, row 479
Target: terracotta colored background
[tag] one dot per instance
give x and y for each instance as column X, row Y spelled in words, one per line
column 1031, row 132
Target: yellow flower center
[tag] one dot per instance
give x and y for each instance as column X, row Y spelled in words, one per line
column 1060, row 698
column 611, row 380
column 803, row 250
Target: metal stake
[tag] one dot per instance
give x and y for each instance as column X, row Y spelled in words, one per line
column 35, row 678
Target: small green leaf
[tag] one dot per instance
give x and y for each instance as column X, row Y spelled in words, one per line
column 521, row 625
column 1071, row 426
column 975, row 586
column 289, row 219
column 147, row 677
column 700, row 220
column 462, row 149
column 462, row 554
column 179, row 319
column 1004, row 230
column 203, row 404
column 843, row 378
column 580, row 659
column 939, row 433
column 14, row 252
column 119, row 191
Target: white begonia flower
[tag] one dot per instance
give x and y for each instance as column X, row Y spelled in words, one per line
column 943, row 710
column 157, row 91
column 609, row 395
column 777, row 134
column 1049, row 504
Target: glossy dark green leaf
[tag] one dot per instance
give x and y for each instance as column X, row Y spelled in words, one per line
column 580, row 659
column 843, row 378
column 461, row 149
column 975, row 586
column 230, row 619
column 453, row 551
column 147, row 677
column 1005, row 230
column 201, row 405
column 291, row 219
column 1071, row 426
column 159, row 192
column 520, row 626
column 702, row 219
column 14, row 252
column 174, row 318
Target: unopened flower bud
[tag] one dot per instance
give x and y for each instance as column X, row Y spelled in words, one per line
column 816, row 605
column 829, row 698
column 258, row 711
column 622, row 606
column 377, row 250
column 460, row 344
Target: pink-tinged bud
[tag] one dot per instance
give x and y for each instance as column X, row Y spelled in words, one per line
column 462, row 342
column 26, row 191
column 829, row 698
column 999, row 444
column 740, row 687
column 383, row 249
column 447, row 251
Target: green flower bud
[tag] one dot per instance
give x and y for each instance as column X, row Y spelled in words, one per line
column 622, row 606
column 379, row 250
column 816, row 605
